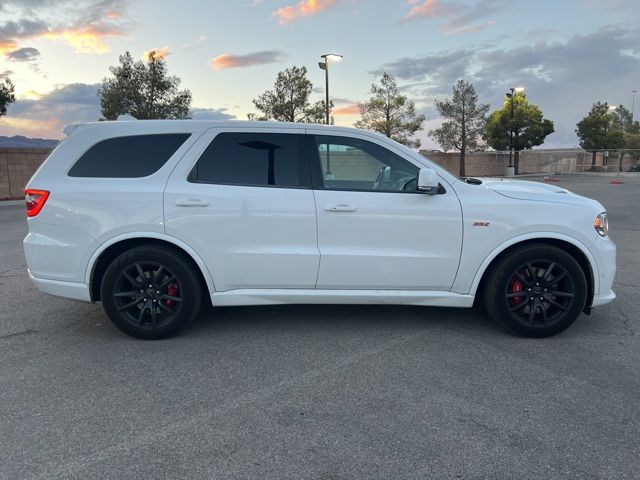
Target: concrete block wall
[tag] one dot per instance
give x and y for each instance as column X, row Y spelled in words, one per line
column 490, row 164
column 16, row 167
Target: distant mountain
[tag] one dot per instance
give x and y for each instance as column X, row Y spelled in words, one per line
column 18, row 141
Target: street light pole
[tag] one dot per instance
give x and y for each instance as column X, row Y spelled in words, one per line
column 633, row 106
column 512, row 95
column 326, row 92
column 328, row 57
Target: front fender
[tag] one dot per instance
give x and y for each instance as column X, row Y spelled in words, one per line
column 473, row 287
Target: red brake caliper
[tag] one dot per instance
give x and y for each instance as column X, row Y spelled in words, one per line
column 516, row 286
column 172, row 290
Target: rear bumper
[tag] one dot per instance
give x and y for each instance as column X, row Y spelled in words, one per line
column 75, row 291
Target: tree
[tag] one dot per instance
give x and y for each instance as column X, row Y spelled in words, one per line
column 143, row 90
column 632, row 142
column 290, row 99
column 528, row 125
column 7, row 95
column 623, row 120
column 465, row 121
column 390, row 113
column 600, row 129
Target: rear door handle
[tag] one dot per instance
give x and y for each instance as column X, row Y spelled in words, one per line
column 341, row 207
column 191, row 202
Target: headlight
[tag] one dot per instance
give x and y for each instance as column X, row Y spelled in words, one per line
column 601, row 224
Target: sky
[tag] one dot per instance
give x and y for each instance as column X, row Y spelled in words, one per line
column 568, row 54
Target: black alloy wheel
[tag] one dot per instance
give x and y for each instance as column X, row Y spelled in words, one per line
column 536, row 290
column 151, row 292
column 148, row 295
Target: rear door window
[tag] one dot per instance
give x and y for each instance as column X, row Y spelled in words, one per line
column 128, row 157
column 253, row 159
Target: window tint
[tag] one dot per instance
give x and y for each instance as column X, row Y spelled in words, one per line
column 128, row 157
column 354, row 164
column 251, row 159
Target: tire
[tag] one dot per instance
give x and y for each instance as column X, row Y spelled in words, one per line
column 536, row 291
column 151, row 292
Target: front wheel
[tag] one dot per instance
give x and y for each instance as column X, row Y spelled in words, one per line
column 151, row 292
column 536, row 291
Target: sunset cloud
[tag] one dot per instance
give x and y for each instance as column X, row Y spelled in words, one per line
column 457, row 17
column 7, row 46
column 44, row 115
column 155, row 53
column 31, row 127
column 228, row 60
column 306, row 8
column 352, row 109
column 85, row 25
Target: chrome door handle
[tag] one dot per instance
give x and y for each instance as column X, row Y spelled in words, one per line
column 191, row 202
column 341, row 207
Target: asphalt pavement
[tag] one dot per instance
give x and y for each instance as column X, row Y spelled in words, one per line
column 321, row 392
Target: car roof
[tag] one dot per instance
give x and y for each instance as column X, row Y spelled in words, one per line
column 204, row 124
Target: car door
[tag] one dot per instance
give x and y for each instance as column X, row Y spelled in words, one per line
column 375, row 230
column 241, row 198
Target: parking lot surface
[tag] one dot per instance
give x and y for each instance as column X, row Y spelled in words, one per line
column 321, row 392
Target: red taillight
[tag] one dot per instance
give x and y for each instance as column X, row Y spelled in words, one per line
column 35, row 200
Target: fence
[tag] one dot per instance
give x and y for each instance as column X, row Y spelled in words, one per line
column 491, row 164
column 16, row 167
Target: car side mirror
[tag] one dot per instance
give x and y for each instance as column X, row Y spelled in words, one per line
column 428, row 181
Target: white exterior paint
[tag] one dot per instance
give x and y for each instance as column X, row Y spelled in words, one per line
column 259, row 245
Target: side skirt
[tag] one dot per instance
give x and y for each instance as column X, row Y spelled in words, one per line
column 302, row 296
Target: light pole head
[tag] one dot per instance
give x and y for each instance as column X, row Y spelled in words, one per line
column 331, row 57
column 322, row 65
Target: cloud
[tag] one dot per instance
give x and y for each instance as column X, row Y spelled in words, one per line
column 435, row 72
column 560, row 75
column 6, row 74
column 306, row 8
column 26, row 54
column 625, row 9
column 85, row 25
column 45, row 115
column 458, row 17
column 211, row 114
column 340, row 100
column 228, row 60
column 155, row 53
column 352, row 109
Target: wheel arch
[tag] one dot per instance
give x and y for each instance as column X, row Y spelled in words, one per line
column 109, row 250
column 570, row 245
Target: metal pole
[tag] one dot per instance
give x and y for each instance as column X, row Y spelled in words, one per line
column 326, row 89
column 511, row 133
column 633, row 105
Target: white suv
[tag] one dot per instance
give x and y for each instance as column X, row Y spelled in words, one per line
column 156, row 218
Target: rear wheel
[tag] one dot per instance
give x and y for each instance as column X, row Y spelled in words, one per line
column 536, row 291
column 151, row 292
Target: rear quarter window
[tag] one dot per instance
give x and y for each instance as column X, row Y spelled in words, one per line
column 128, row 157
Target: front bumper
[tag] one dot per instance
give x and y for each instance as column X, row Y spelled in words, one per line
column 605, row 256
column 603, row 298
